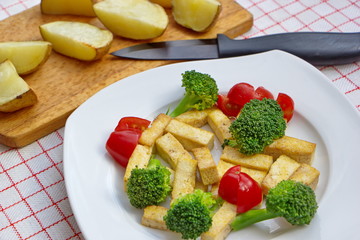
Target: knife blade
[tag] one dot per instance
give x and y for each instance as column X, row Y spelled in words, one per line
column 318, row 48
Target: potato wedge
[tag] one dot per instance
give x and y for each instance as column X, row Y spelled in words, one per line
column 26, row 56
column 77, row 7
column 198, row 15
column 15, row 93
column 134, row 19
column 78, row 40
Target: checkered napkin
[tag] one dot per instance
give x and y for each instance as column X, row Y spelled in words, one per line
column 33, row 199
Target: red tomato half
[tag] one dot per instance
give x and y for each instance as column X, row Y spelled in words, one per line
column 262, row 92
column 228, row 108
column 241, row 93
column 132, row 123
column 249, row 194
column 240, row 189
column 121, row 145
column 229, row 184
column 287, row 105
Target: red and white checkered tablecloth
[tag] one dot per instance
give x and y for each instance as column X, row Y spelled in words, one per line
column 33, row 199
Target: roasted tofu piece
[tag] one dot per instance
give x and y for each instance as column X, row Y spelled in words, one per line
column 185, row 177
column 281, row 169
column 149, row 135
column 257, row 161
column 307, row 175
column 221, row 221
column 297, row 149
column 194, row 118
column 206, row 165
column 220, row 124
column 223, row 166
column 199, row 184
column 255, row 174
column 190, row 137
column 172, row 175
column 171, row 150
column 154, row 217
column 139, row 159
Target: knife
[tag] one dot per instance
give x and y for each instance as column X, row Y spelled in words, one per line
column 318, row 48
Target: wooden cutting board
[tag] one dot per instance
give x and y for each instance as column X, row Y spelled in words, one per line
column 62, row 83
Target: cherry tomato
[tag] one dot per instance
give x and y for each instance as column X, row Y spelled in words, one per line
column 287, row 105
column 249, row 194
column 239, row 188
column 241, row 93
column 229, row 184
column 228, row 108
column 132, row 123
column 262, row 92
column 121, row 145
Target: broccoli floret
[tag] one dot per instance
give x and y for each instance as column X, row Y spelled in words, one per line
column 149, row 186
column 191, row 214
column 294, row 201
column 201, row 92
column 259, row 123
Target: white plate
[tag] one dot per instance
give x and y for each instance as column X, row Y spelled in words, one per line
column 323, row 116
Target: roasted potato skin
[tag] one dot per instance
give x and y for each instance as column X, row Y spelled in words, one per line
column 26, row 99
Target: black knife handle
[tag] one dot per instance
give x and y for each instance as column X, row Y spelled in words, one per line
column 318, row 48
